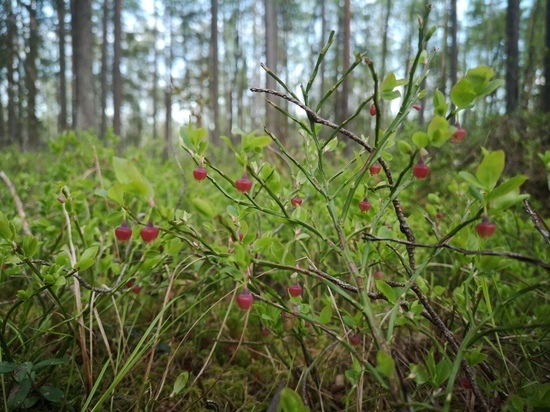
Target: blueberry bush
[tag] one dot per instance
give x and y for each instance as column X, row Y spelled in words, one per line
column 350, row 273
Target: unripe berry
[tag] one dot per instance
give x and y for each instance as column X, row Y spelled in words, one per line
column 243, row 184
column 245, row 299
column 364, row 205
column 296, row 201
column 123, row 232
column 421, row 170
column 372, row 110
column 486, row 228
column 295, row 290
column 375, row 169
column 200, row 173
column 150, row 232
column 458, row 136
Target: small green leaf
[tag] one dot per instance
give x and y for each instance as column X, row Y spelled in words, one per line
column 404, row 147
column 391, row 95
column 419, row 374
column 204, row 207
column 470, row 178
column 325, row 315
column 421, row 139
column 29, row 246
column 330, row 146
column 84, row 264
column 125, row 170
column 19, row 393
column 51, row 393
column 23, row 294
column 386, row 290
column 389, row 83
column 7, row 367
column 50, row 362
column 254, row 142
column 181, row 382
column 490, row 169
column 509, row 199
column 90, row 253
column 6, row 228
column 227, row 141
column 442, row 372
column 462, row 93
column 291, row 402
column 385, row 363
column 506, row 187
column 440, row 104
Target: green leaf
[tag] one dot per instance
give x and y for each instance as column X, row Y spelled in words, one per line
column 325, row 315
column 204, row 207
column 90, row 253
column 6, row 228
column 227, row 141
column 19, row 393
column 394, row 94
column 291, row 402
column 29, row 246
column 330, row 146
column 421, row 139
column 7, row 367
column 479, row 77
column 404, row 147
column 490, row 169
column 386, row 290
column 442, row 372
column 116, row 193
column 506, row 187
column 253, row 142
column 475, row 356
column 440, row 104
column 181, row 382
column 125, row 170
column 385, row 363
column 83, row 264
column 492, row 86
column 389, row 83
column 419, row 374
column 51, row 393
column 462, row 93
column 509, row 199
column 470, row 178
column 439, row 131
column 49, row 362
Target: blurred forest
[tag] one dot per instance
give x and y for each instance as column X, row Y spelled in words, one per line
column 141, row 68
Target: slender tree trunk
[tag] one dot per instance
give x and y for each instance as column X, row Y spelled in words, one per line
column 529, row 69
column 168, row 56
column 385, row 38
column 271, row 51
column 322, row 74
column 454, row 46
column 155, row 70
column 214, row 70
column 62, row 91
column 12, row 84
column 344, row 95
column 104, row 68
column 512, row 56
column 444, row 52
column 545, row 95
column 30, row 77
column 117, row 78
column 84, row 99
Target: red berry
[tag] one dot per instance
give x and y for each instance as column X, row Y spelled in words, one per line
column 243, row 184
column 458, row 136
column 241, row 237
column 296, row 201
column 364, row 205
column 130, row 283
column 417, row 107
column 295, row 289
column 421, row 170
column 265, row 331
column 375, row 169
column 149, row 233
column 354, row 340
column 136, row 289
column 440, row 215
column 245, row 299
column 378, row 275
column 123, row 232
column 200, row 173
column 372, row 110
column 486, row 228
column 466, row 383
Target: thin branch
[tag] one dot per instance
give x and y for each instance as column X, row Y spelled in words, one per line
column 18, row 203
column 538, row 221
column 509, row 255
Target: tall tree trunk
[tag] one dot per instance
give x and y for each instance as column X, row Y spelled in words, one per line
column 322, row 74
column 545, row 95
column 33, row 132
column 62, row 90
column 271, row 52
column 454, row 46
column 12, row 84
column 214, row 70
column 529, row 68
column 84, row 96
column 385, row 38
column 343, row 95
column 512, row 56
column 445, row 51
column 117, row 78
column 169, row 57
column 104, row 68
column 155, row 70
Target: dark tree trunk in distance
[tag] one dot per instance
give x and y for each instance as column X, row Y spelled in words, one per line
column 512, row 56
column 62, row 91
column 271, row 61
column 104, row 69
column 117, row 78
column 84, row 90
column 454, row 46
column 546, row 89
column 30, row 77
column 214, row 70
column 12, row 85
